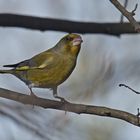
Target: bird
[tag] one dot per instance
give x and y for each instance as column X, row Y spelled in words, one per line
column 50, row 68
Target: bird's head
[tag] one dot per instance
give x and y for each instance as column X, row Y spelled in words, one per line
column 71, row 44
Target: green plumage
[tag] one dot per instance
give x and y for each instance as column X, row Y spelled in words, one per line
column 50, row 68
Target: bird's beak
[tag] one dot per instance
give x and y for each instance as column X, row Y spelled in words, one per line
column 77, row 41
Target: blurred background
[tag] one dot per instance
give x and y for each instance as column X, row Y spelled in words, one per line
column 104, row 62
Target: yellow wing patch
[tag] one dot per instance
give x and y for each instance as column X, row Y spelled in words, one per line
column 29, row 68
column 23, row 68
column 42, row 66
column 46, row 63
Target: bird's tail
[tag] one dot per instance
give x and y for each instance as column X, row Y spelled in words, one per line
column 6, row 71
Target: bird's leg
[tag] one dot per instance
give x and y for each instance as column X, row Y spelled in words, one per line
column 61, row 98
column 31, row 93
column 56, row 96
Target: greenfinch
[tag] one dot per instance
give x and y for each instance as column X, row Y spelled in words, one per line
column 50, row 68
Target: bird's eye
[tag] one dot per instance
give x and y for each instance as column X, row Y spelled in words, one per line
column 69, row 38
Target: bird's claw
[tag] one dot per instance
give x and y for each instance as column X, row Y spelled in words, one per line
column 61, row 99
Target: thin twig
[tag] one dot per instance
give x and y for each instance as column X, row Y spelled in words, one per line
column 127, row 14
column 71, row 107
column 138, row 115
column 133, row 11
column 123, row 85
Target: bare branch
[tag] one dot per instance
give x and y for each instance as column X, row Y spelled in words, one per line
column 123, row 85
column 44, row 24
column 127, row 14
column 71, row 107
column 125, row 5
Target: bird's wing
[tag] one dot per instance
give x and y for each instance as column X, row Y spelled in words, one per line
column 39, row 61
